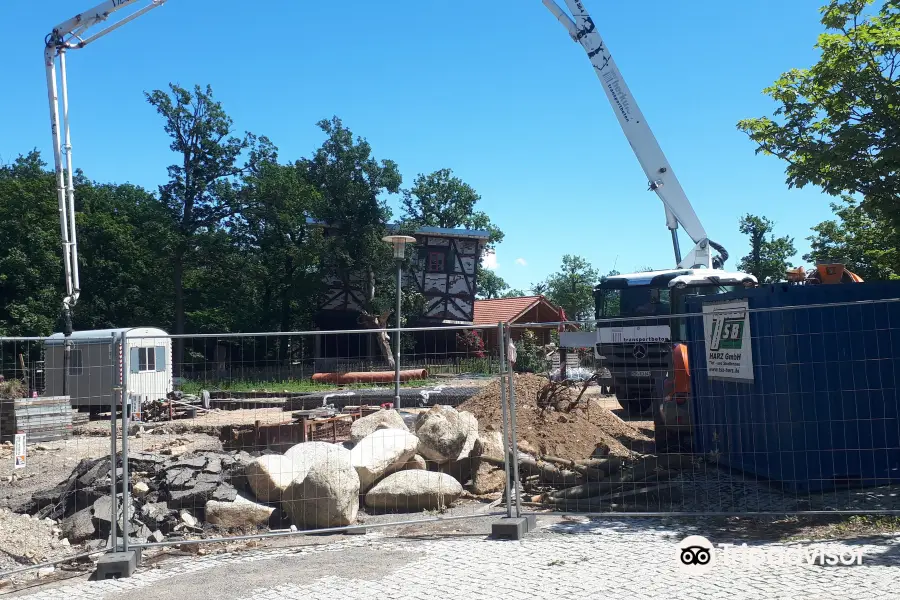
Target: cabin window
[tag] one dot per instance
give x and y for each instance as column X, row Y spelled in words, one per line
column 76, row 364
column 146, row 359
column 436, row 262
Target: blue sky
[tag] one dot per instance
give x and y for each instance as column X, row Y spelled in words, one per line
column 495, row 91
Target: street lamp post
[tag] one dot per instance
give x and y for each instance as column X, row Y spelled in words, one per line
column 399, row 244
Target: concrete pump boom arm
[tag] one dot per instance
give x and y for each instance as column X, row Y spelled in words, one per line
column 660, row 176
column 66, row 36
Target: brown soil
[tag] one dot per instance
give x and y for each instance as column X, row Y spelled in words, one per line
column 571, row 435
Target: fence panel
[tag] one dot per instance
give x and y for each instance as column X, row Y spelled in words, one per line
column 283, row 433
column 58, row 489
column 761, row 410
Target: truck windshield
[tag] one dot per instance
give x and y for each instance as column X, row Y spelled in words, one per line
column 641, row 301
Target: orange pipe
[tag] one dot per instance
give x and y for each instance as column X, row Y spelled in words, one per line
column 369, row 376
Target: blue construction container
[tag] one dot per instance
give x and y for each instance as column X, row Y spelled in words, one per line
column 823, row 410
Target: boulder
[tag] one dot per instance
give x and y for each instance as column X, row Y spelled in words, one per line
column 307, row 454
column 328, row 496
column 443, row 433
column 270, row 475
column 379, row 451
column 383, row 419
column 488, row 478
column 79, row 527
column 413, row 491
column 240, row 513
column 413, row 464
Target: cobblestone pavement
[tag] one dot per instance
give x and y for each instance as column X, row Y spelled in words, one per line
column 574, row 559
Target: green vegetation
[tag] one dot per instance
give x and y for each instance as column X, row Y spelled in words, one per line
column 293, row 385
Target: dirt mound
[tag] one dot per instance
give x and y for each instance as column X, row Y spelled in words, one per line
column 571, row 435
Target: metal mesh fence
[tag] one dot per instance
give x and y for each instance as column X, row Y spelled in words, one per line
column 56, row 487
column 263, row 434
column 733, row 409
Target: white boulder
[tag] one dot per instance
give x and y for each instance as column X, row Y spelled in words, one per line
column 413, row 491
column 328, row 494
column 445, row 433
column 240, row 513
column 269, row 476
column 379, row 451
column 383, row 419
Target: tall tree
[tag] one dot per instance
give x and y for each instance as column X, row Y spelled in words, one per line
column 277, row 232
column 868, row 244
column 440, row 199
column 769, row 256
column 490, row 285
column 200, row 193
column 30, row 256
column 352, row 183
column 572, row 287
column 838, row 122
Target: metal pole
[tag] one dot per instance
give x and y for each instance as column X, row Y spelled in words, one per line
column 125, row 488
column 70, row 185
column 515, row 435
column 505, row 424
column 397, row 340
column 117, row 365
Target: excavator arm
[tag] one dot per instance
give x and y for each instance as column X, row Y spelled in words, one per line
column 660, row 176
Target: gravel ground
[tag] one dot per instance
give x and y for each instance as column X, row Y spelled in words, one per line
column 51, row 463
column 24, row 541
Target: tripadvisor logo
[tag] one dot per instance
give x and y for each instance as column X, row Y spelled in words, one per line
column 727, row 332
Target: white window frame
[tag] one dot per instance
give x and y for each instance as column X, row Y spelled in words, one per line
column 147, row 359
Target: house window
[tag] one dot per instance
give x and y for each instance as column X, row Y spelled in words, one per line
column 76, row 364
column 146, row 359
column 436, row 262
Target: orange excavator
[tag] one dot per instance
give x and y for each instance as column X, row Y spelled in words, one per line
column 825, row 272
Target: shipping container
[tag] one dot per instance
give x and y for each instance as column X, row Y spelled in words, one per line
column 822, row 409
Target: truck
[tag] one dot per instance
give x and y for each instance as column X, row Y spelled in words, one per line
column 635, row 339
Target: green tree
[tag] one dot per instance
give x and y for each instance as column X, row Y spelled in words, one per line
column 30, row 256
column 490, row 285
column 286, row 248
column 837, row 123
column 440, row 199
column 512, row 293
column 865, row 241
column 125, row 277
column 769, row 256
column 351, row 183
column 200, row 195
column 572, row 287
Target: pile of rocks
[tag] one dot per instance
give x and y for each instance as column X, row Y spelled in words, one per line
column 165, row 494
column 385, row 466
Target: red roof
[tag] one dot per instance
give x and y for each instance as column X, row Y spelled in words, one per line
column 507, row 310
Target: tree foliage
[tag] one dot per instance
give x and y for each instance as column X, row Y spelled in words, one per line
column 440, row 199
column 863, row 239
column 490, row 285
column 769, row 257
column 837, row 123
column 572, row 287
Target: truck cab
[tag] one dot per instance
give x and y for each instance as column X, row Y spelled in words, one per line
column 640, row 320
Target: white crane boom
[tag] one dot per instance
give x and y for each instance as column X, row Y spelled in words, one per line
column 65, row 36
column 659, row 172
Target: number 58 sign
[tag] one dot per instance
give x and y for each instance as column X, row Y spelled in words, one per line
column 726, row 328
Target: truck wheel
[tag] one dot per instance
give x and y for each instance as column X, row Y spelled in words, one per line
column 635, row 406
